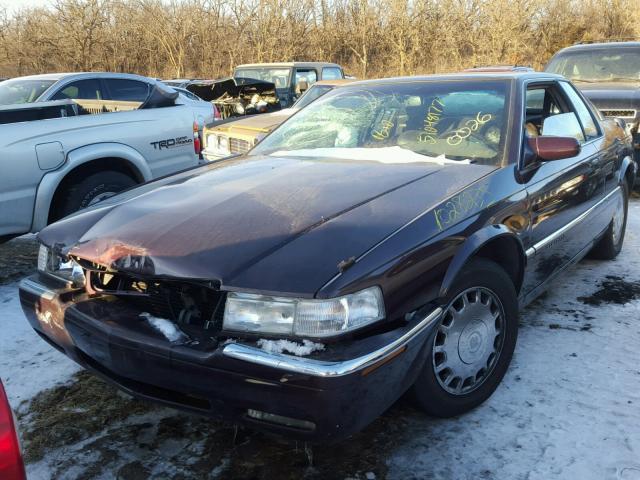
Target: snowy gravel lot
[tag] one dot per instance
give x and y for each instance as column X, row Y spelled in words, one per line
column 568, row 408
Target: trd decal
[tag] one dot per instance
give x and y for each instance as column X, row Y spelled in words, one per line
column 172, row 143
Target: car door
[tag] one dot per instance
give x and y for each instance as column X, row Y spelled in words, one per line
column 560, row 193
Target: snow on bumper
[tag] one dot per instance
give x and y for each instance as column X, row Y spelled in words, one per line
column 300, row 397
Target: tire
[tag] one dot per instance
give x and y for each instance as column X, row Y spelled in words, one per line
column 609, row 246
column 91, row 189
column 470, row 348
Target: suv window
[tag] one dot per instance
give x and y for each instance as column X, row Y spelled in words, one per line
column 89, row 89
column 310, row 76
column 611, row 64
column 127, row 90
column 331, row 73
column 586, row 119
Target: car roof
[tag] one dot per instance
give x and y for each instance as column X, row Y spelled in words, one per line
column 466, row 76
column 56, row 77
column 599, row 46
column 290, row 64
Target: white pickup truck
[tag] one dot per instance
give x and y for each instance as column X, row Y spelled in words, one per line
column 51, row 167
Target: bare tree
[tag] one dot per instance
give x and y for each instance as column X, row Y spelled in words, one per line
column 371, row 38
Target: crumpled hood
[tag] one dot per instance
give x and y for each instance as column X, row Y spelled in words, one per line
column 221, row 221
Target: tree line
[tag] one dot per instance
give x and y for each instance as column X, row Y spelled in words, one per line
column 370, row 38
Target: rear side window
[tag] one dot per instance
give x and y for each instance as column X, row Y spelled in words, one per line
column 331, row 73
column 89, row 89
column 308, row 76
column 127, row 90
column 586, row 119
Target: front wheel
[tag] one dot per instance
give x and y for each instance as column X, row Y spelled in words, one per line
column 609, row 246
column 474, row 342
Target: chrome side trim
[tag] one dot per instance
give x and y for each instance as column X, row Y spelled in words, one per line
column 558, row 233
column 37, row 289
column 320, row 368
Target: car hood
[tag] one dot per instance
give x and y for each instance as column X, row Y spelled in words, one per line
column 610, row 96
column 221, row 222
column 254, row 124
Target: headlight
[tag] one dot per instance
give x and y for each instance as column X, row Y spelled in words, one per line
column 306, row 318
column 223, row 144
column 65, row 269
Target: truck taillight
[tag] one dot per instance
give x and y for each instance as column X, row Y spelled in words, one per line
column 11, row 465
column 197, row 145
column 216, row 112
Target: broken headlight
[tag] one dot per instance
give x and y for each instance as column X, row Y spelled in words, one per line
column 301, row 317
column 65, row 269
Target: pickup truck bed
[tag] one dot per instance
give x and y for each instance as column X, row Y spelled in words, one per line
column 53, row 166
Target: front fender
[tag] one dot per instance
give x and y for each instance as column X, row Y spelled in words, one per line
column 472, row 245
column 51, row 180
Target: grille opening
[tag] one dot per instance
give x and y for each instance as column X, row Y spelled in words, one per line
column 238, row 145
column 185, row 303
column 620, row 113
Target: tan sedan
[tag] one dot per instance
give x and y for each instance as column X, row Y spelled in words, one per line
column 240, row 136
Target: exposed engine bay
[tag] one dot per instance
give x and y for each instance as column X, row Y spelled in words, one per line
column 236, row 97
column 194, row 308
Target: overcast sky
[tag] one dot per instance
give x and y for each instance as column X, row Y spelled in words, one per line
column 12, row 5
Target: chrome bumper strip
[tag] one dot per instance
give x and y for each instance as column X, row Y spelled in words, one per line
column 319, row 368
column 37, row 289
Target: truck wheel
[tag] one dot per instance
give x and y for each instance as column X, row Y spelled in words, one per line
column 473, row 344
column 609, row 246
column 92, row 189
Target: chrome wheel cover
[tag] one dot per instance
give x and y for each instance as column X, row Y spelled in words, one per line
column 468, row 341
column 617, row 222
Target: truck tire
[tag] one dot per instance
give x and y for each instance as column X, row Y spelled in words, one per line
column 609, row 246
column 92, row 189
column 473, row 344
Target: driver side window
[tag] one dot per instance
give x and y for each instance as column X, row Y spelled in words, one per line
column 547, row 114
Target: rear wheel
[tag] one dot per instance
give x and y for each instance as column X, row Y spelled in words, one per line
column 473, row 344
column 609, row 246
column 90, row 190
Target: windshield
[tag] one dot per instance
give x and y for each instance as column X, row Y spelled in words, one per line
column 598, row 65
column 400, row 123
column 18, row 90
column 312, row 94
column 278, row 76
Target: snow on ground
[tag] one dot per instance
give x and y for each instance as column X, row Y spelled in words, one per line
column 28, row 365
column 568, row 408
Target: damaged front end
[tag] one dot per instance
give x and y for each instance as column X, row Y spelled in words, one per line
column 194, row 346
column 235, row 97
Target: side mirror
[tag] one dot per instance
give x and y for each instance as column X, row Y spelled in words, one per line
column 548, row 148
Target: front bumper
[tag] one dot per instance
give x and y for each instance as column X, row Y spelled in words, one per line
column 328, row 399
column 211, row 156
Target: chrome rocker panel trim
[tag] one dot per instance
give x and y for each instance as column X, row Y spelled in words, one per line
column 558, row 233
